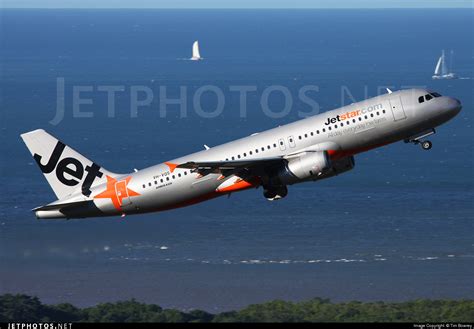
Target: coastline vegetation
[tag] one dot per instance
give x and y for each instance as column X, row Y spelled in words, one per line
column 24, row 308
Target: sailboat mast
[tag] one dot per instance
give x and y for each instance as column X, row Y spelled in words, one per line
column 451, row 61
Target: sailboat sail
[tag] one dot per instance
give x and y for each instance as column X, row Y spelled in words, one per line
column 196, row 54
column 438, row 66
column 444, row 69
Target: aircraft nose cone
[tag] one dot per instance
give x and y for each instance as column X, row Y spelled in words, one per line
column 454, row 105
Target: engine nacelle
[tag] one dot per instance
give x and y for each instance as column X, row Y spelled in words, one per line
column 305, row 167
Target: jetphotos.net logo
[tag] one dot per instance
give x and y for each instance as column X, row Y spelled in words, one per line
column 206, row 101
column 39, row 325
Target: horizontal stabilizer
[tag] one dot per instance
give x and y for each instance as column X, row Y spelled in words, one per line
column 79, row 209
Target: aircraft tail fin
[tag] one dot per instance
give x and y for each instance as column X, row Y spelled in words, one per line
column 67, row 171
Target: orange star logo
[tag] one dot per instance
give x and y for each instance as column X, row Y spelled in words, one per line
column 117, row 191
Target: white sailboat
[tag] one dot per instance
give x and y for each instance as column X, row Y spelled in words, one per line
column 196, row 55
column 441, row 70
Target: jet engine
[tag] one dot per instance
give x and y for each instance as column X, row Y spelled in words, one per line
column 305, row 167
column 312, row 166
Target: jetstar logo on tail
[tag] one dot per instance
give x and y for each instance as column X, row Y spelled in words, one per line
column 70, row 166
column 117, row 191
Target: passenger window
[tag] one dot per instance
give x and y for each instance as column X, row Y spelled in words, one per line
column 428, row 97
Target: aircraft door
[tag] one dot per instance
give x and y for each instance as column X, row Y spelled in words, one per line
column 121, row 192
column 397, row 109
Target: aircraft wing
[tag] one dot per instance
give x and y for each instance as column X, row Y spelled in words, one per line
column 227, row 167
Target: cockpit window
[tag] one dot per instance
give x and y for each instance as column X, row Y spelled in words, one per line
column 421, row 99
column 428, row 97
column 435, row 94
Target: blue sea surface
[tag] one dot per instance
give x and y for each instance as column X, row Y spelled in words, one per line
column 397, row 227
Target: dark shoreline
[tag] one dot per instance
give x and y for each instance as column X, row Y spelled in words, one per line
column 24, row 308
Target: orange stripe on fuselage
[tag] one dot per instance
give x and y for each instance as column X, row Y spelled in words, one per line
column 240, row 186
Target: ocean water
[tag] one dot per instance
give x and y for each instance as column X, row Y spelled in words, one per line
column 397, row 227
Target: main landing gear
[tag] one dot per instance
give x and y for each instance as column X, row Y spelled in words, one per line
column 275, row 192
column 419, row 139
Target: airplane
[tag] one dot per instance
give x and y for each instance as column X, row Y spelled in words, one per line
column 311, row 149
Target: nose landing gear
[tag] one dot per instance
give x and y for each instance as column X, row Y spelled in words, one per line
column 426, row 145
column 417, row 139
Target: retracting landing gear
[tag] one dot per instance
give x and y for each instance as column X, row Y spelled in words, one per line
column 275, row 193
column 418, row 139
